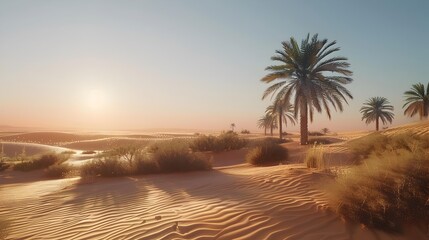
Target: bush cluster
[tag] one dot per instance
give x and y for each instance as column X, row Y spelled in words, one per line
column 267, row 152
column 59, row 171
column 391, row 187
column 40, row 162
column 164, row 158
column 224, row 142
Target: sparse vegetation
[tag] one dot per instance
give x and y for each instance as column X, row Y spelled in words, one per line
column 105, row 167
column 162, row 157
column 171, row 159
column 390, row 188
column 40, row 162
column 4, row 165
column 245, row 131
column 224, row 142
column 59, row 171
column 267, row 152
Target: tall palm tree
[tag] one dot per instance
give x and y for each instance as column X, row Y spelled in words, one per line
column 283, row 111
column 417, row 101
column 377, row 108
column 314, row 81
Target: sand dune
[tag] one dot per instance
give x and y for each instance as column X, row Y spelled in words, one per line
column 279, row 202
column 234, row 201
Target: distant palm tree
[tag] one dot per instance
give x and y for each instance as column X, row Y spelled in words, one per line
column 264, row 122
column 232, row 126
column 283, row 111
column 306, row 75
column 325, row 130
column 377, row 108
column 417, row 101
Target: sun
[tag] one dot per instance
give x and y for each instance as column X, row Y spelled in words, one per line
column 95, row 99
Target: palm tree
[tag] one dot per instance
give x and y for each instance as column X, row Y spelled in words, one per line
column 264, row 122
column 232, row 126
column 306, row 75
column 417, row 101
column 377, row 108
column 282, row 110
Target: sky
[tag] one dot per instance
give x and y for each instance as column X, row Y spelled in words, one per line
column 122, row 65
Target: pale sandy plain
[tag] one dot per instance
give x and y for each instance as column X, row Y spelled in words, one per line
column 233, row 201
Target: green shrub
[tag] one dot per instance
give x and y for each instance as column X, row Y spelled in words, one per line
column 391, row 189
column 173, row 143
column 40, row 162
column 315, row 157
column 59, row 171
column 267, row 152
column 224, row 142
column 105, row 167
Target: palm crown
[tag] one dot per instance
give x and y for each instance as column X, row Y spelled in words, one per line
column 417, row 101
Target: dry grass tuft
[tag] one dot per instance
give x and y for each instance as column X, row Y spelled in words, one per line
column 267, row 152
column 391, row 186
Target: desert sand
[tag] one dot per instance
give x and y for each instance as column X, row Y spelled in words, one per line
column 233, row 201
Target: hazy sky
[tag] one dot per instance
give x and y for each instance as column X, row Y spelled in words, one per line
column 192, row 64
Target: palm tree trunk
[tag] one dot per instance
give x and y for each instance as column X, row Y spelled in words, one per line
column 265, row 131
column 376, row 124
column 304, row 122
column 280, row 125
column 271, row 131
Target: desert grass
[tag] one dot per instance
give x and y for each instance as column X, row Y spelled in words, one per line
column 390, row 188
column 162, row 157
column 226, row 141
column 39, row 162
column 268, row 152
column 60, row 171
column 315, row 157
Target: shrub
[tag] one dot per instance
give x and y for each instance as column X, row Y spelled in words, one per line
column 245, row 131
column 224, row 142
column 58, row 171
column 145, row 165
column 173, row 143
column 41, row 162
column 105, row 167
column 388, row 191
column 179, row 160
column 266, row 153
column 315, row 157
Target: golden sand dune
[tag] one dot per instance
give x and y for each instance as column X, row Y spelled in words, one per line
column 419, row 128
column 279, row 202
